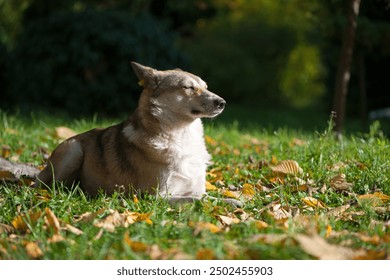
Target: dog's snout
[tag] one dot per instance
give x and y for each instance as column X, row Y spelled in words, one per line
column 220, row 103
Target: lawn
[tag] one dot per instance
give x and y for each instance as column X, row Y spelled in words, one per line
column 305, row 196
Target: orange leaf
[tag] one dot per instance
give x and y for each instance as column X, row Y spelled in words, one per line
column 52, row 220
column 261, row 225
column 200, row 226
column 225, row 220
column 205, row 254
column 33, row 250
column 135, row 199
column 136, row 246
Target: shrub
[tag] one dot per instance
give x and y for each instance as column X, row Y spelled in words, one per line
column 79, row 61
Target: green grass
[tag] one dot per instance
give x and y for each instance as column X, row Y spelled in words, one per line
column 242, row 156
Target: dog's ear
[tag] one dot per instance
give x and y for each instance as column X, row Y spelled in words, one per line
column 148, row 77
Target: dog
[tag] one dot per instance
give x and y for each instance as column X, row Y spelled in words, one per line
column 159, row 149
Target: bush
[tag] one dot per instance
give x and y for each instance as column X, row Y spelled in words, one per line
column 80, row 61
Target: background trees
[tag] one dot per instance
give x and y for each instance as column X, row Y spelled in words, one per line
column 271, row 54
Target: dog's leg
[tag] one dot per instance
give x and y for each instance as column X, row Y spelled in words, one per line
column 63, row 165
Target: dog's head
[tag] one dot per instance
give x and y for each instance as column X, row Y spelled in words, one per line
column 178, row 93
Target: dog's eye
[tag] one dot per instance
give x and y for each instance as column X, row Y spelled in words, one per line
column 189, row 87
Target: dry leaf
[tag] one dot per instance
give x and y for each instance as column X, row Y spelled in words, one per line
column 63, row 132
column 225, row 220
column 336, row 212
column 316, row 246
column 135, row 199
column 269, row 238
column 73, row 229
column 248, row 190
column 6, row 228
column 374, row 199
column 261, row 224
column 116, row 219
column 205, row 254
column 56, row 238
column 5, row 151
column 52, row 221
column 231, row 194
column 287, row 167
column 339, row 182
column 200, row 226
column 88, row 216
column 33, row 250
column 313, row 202
column 22, row 221
column 210, row 187
column 136, row 246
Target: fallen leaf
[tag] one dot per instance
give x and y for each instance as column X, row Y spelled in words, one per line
column 270, row 238
column 225, row 220
column 248, row 190
column 52, row 221
column 63, row 132
column 116, row 219
column 336, row 212
column 56, row 238
column 135, row 199
column 23, row 221
column 33, row 250
column 231, row 194
column 313, row 202
column 374, row 199
column 73, row 229
column 261, row 224
column 5, row 151
column 287, row 167
column 88, row 216
column 200, row 226
column 210, row 187
column 6, row 228
column 339, row 182
column 136, row 246
column 316, row 246
column 205, row 254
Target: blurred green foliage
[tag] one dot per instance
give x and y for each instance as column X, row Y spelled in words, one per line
column 79, row 61
column 74, row 54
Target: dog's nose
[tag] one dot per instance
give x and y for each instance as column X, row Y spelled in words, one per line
column 220, row 103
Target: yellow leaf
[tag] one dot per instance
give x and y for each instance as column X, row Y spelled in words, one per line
column 261, row 225
column 22, row 221
column 335, row 212
column 210, row 187
column 328, row 230
column 52, row 221
column 248, row 189
column 339, row 182
column 33, row 250
column 88, row 216
column 135, row 199
column 136, row 246
column 210, row 141
column 231, row 194
column 5, row 151
column 56, row 238
column 63, row 132
column 287, row 167
column 313, row 202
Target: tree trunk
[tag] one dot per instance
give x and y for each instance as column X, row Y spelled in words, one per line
column 362, row 90
column 343, row 71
